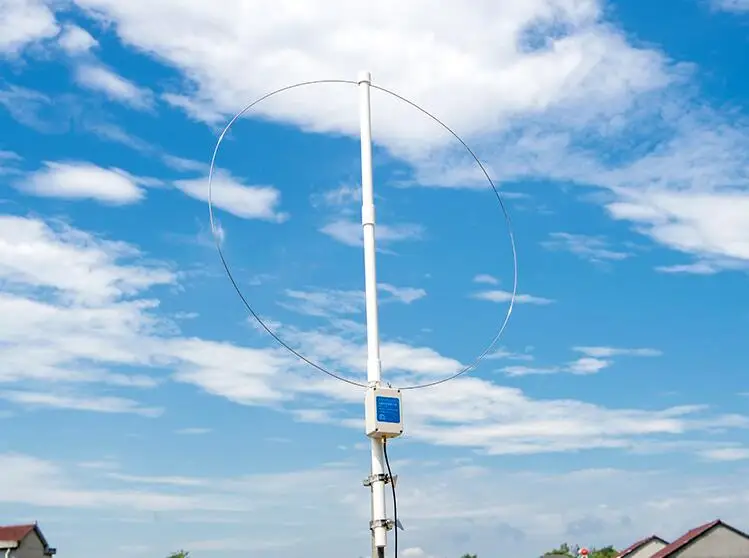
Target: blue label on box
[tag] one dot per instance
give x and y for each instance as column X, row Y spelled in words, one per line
column 388, row 409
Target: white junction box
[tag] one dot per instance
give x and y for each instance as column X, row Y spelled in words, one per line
column 382, row 412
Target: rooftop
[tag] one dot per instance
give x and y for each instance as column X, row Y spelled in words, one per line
column 640, row 544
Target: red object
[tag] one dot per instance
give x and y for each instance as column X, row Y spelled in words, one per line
column 583, row 552
column 15, row 533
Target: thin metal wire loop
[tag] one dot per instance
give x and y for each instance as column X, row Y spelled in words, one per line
column 254, row 314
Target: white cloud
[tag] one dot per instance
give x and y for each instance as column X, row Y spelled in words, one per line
column 406, row 295
column 504, row 354
column 566, row 72
column 522, row 370
column 607, row 352
column 193, row 431
column 24, row 22
column 99, row 404
column 591, row 248
column 731, row 5
column 595, row 360
column 80, row 180
column 698, row 268
column 685, row 221
column 9, row 156
column 578, row 88
column 581, row 87
column 38, row 482
column 588, row 365
column 69, row 300
column 345, row 198
column 506, row 296
column 76, row 306
column 726, row 454
column 222, row 369
column 27, row 106
column 487, row 279
column 325, row 303
column 228, row 194
column 185, row 165
column 163, row 480
column 112, row 132
column 75, row 40
column 66, row 299
column 473, row 413
column 523, row 512
column 103, row 80
column 239, row 544
column 350, row 232
column 73, row 264
column 671, row 193
column 9, row 161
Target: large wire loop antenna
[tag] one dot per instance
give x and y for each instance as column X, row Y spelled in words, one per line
column 274, row 335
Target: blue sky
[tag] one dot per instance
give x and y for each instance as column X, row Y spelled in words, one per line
column 141, row 410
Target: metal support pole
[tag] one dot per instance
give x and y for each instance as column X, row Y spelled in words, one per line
column 374, row 368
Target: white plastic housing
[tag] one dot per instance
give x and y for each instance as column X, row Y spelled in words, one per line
column 383, row 414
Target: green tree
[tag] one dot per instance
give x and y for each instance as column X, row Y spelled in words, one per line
column 605, row 552
column 571, row 551
column 564, row 550
column 179, row 554
column 469, row 556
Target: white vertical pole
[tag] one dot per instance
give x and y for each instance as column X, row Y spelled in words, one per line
column 374, row 369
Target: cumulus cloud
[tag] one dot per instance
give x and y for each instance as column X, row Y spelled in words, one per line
column 563, row 72
column 24, row 22
column 81, row 180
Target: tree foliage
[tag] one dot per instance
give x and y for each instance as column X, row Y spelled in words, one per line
column 605, row 552
column 567, row 550
column 563, row 550
column 179, row 554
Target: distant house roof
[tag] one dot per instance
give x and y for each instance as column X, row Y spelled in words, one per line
column 691, row 536
column 639, row 544
column 12, row 535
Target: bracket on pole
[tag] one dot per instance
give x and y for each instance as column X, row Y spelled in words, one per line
column 381, row 477
column 386, row 523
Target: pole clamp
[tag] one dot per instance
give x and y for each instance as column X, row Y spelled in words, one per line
column 388, row 524
column 371, row 479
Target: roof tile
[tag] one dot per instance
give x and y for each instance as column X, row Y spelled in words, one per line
column 15, row 532
column 685, row 539
column 639, row 544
